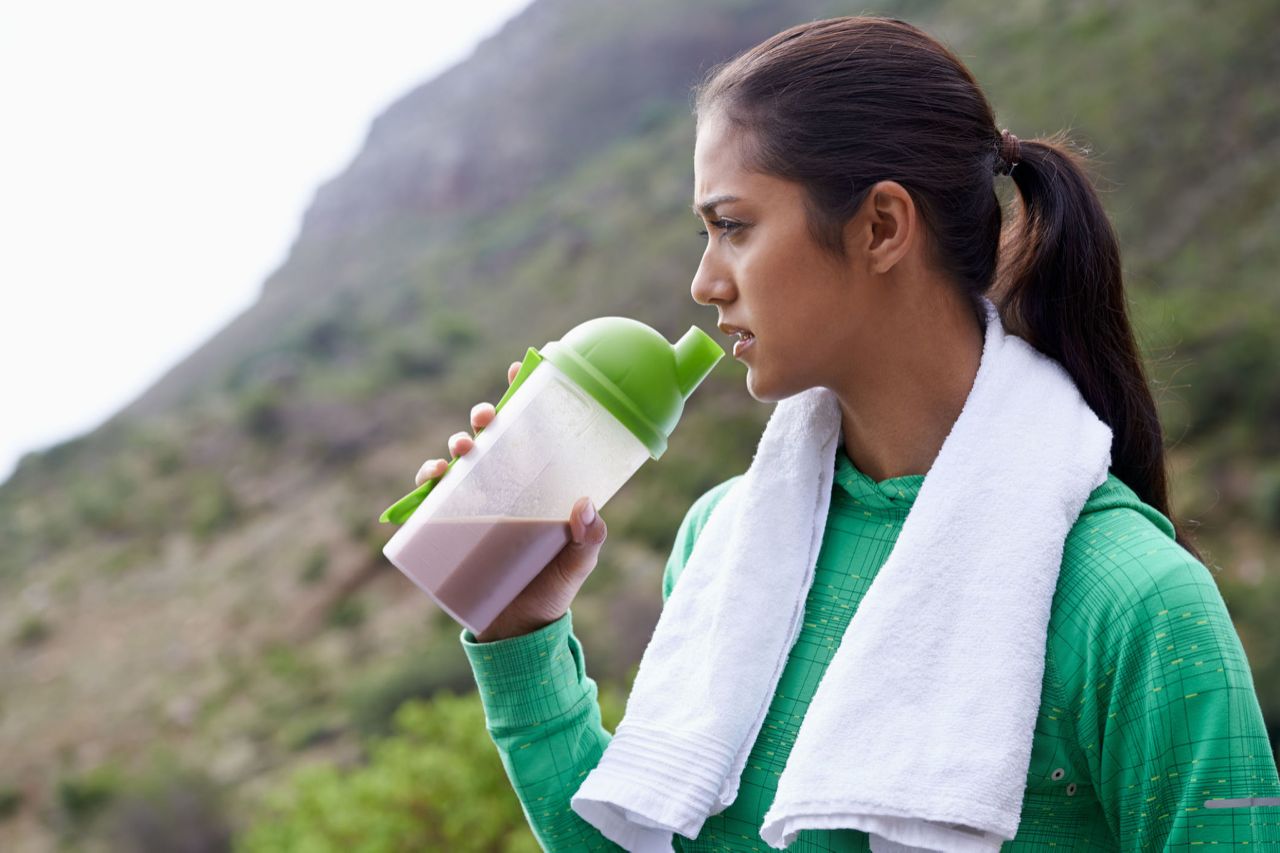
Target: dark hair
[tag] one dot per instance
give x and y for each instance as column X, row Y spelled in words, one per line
column 839, row 104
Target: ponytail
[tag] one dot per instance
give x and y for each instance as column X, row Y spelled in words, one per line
column 1060, row 288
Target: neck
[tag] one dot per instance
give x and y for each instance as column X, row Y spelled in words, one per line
column 897, row 414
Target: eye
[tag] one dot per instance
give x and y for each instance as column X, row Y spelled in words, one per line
column 728, row 226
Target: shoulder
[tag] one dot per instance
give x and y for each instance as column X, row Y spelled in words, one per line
column 694, row 520
column 1121, row 556
column 1129, row 595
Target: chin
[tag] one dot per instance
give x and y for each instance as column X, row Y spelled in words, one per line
column 766, row 392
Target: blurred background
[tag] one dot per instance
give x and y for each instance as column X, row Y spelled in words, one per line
column 259, row 264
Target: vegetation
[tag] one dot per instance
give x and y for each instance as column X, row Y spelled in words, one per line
column 435, row 783
column 196, row 576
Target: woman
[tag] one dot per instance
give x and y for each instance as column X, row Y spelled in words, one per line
column 844, row 171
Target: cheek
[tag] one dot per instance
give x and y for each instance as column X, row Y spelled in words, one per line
column 809, row 334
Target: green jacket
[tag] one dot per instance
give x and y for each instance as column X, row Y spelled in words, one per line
column 1148, row 708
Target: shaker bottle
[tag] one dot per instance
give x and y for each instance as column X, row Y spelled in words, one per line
column 580, row 418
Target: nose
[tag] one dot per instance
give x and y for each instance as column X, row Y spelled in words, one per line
column 711, row 282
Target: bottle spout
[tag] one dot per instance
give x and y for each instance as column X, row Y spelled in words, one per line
column 696, row 354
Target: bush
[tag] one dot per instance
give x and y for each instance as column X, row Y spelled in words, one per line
column 261, row 416
column 415, row 360
column 436, row 784
column 33, row 631
column 420, row 674
column 172, row 809
column 315, row 566
column 213, row 507
column 81, row 798
column 10, row 801
column 1266, row 497
column 166, row 459
column 348, row 613
column 455, row 330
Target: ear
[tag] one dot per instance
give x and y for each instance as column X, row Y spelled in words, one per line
column 885, row 225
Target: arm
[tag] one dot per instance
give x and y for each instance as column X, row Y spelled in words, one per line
column 1177, row 717
column 543, row 714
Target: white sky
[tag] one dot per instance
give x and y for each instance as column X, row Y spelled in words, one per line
column 155, row 162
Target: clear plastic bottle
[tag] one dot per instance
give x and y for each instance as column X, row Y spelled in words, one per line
column 580, row 418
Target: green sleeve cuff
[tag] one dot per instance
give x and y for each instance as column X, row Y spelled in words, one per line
column 531, row 679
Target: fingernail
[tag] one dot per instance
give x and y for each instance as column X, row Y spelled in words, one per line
column 588, row 514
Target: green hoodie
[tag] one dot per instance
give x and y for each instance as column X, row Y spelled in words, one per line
column 1148, row 708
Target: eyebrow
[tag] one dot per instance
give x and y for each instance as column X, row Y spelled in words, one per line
column 709, row 205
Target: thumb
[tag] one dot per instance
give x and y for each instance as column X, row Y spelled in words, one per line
column 586, row 526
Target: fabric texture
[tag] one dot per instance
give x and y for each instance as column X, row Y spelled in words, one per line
column 1147, row 713
column 975, row 567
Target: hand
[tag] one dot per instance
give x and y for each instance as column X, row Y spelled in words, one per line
column 549, row 594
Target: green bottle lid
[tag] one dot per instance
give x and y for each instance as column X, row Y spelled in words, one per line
column 631, row 370
column 626, row 366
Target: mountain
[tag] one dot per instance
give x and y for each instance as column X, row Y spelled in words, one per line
column 485, row 135
column 203, row 573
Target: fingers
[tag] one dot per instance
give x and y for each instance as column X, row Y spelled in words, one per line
column 430, row 468
column 460, row 443
column 482, row 414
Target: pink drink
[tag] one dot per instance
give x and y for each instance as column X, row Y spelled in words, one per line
column 475, row 567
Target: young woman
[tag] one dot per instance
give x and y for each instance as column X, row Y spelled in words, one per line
column 844, row 171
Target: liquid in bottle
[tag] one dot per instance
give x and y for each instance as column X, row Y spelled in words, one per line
column 475, row 566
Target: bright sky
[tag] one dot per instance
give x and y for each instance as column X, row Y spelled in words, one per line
column 155, row 162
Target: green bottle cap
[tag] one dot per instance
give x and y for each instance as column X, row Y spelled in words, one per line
column 631, row 370
column 626, row 366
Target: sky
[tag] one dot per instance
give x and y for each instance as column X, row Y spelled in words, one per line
column 155, row 162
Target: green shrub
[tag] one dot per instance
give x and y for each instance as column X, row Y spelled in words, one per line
column 33, row 631
column 166, row 459
column 81, row 798
column 435, row 783
column 1266, row 496
column 420, row 674
column 413, row 359
column 170, row 808
column 347, row 613
column 213, row 507
column 315, row 566
column 261, row 416
column 10, row 801
column 454, row 329
column 101, row 501
column 304, row 730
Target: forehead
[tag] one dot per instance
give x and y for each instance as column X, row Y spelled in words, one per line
column 717, row 160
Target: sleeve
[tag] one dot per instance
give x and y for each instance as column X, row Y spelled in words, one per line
column 1184, row 758
column 543, row 713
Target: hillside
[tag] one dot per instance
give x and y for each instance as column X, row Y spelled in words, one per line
column 202, row 577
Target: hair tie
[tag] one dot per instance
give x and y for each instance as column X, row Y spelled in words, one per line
column 1010, row 153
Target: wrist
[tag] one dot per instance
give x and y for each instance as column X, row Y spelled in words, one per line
column 507, row 630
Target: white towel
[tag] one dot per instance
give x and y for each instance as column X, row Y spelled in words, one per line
column 901, row 740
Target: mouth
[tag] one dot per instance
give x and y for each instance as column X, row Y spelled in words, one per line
column 744, row 337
